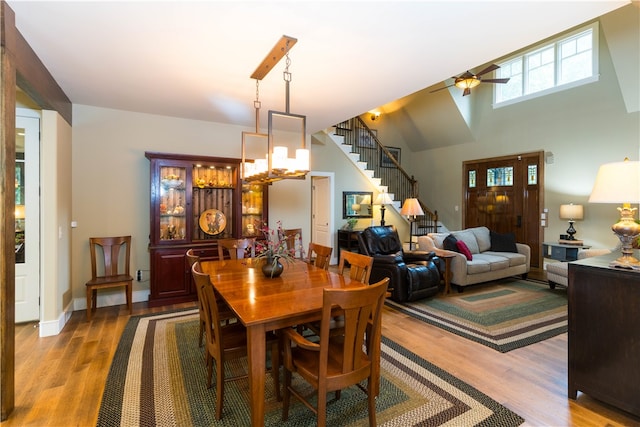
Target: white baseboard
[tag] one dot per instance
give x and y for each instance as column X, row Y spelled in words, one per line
column 107, row 299
column 54, row 327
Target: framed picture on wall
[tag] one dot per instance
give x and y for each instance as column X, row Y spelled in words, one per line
column 385, row 161
column 365, row 138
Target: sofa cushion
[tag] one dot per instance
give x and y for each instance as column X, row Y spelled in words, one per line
column 514, row 258
column 449, row 243
column 483, row 237
column 478, row 265
column 469, row 238
column 503, row 242
column 464, row 250
column 495, row 261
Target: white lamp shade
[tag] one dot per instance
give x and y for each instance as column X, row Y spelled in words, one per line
column 571, row 212
column 617, row 182
column 411, row 207
column 383, row 199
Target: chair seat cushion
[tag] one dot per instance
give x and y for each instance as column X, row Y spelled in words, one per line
column 422, row 281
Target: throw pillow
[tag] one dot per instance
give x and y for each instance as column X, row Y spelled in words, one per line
column 503, row 242
column 464, row 250
column 449, row 243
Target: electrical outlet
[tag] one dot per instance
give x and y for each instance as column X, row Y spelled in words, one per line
column 139, row 275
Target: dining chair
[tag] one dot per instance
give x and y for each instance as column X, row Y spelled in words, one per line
column 338, row 361
column 293, row 238
column 224, row 311
column 225, row 342
column 236, row 248
column 319, row 255
column 109, row 268
column 360, row 265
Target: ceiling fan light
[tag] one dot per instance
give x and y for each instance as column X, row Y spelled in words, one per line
column 467, row 83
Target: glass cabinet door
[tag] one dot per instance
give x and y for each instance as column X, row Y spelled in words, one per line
column 252, row 210
column 172, row 199
column 213, row 200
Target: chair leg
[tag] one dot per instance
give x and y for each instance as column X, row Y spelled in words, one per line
column 322, row 407
column 371, row 397
column 287, row 394
column 89, row 302
column 275, row 368
column 130, row 297
column 219, row 388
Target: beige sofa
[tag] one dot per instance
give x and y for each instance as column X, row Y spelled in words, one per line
column 558, row 272
column 485, row 265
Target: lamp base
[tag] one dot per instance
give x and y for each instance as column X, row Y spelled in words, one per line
column 571, row 231
column 627, row 231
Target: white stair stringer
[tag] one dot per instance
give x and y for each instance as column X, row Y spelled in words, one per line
column 361, row 166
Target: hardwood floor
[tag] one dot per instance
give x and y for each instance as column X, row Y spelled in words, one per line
column 60, row 379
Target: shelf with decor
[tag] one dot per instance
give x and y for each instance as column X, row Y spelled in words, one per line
column 195, row 202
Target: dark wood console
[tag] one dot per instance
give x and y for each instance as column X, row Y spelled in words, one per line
column 604, row 332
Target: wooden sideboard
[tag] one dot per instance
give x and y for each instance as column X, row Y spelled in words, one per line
column 604, row 332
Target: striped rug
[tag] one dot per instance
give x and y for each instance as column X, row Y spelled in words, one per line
column 504, row 315
column 158, row 378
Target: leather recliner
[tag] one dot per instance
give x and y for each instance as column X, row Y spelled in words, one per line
column 413, row 274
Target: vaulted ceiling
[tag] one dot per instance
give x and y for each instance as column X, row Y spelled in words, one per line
column 193, row 59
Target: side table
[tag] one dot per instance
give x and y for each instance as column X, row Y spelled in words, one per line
column 561, row 252
column 447, row 272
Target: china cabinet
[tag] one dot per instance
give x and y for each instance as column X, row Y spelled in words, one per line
column 195, row 201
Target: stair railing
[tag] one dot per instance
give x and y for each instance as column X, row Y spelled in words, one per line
column 365, row 142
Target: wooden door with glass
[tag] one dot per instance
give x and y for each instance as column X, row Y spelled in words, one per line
column 505, row 194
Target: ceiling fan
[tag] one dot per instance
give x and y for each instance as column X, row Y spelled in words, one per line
column 468, row 80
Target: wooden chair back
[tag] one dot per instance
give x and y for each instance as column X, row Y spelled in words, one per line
column 349, row 363
column 110, row 268
column 360, row 265
column 236, row 248
column 293, row 238
column 192, row 258
column 319, row 255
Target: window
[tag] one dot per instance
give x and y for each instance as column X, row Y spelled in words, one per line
column 557, row 65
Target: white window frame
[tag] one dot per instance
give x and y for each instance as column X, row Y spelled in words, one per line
column 594, row 77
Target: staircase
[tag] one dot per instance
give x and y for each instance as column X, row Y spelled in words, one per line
column 362, row 146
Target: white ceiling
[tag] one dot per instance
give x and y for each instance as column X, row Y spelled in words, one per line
column 193, row 59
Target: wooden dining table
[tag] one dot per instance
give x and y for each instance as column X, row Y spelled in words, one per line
column 267, row 304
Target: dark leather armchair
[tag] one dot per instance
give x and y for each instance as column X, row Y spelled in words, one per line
column 413, row 274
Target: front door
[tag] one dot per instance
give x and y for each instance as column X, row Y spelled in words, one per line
column 505, row 195
column 27, row 218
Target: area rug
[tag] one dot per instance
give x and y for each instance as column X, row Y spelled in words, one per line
column 504, row 315
column 158, row 378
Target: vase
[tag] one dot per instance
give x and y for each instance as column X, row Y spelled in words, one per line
column 272, row 269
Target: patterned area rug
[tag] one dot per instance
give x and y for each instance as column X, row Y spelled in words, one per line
column 504, row 315
column 158, row 377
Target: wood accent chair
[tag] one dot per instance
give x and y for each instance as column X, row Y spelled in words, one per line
column 236, row 248
column 293, row 238
column 322, row 255
column 224, row 311
column 361, row 265
column 338, row 361
column 227, row 341
column 114, row 274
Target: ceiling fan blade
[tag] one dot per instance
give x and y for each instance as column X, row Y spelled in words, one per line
column 440, row 88
column 466, row 92
column 489, row 69
column 496, row 80
column 466, row 75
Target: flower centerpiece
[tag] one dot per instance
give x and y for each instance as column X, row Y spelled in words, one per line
column 273, row 249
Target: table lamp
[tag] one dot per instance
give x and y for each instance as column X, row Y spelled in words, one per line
column 620, row 183
column 411, row 208
column 571, row 212
column 382, row 200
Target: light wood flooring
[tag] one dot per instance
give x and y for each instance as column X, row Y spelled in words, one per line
column 60, row 379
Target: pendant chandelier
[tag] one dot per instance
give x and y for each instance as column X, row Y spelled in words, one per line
column 265, row 157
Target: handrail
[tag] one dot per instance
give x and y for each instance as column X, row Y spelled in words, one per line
column 365, row 142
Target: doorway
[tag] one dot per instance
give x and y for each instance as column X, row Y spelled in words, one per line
column 322, row 207
column 505, row 194
column 27, row 217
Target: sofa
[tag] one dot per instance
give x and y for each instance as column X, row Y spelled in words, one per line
column 482, row 256
column 558, row 272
